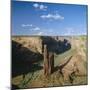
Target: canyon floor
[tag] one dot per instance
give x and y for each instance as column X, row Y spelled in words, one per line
column 27, row 61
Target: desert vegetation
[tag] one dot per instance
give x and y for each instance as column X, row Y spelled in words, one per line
column 45, row 61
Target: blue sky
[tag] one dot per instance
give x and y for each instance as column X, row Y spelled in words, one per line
column 36, row 18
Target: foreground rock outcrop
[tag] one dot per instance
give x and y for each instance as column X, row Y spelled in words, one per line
column 73, row 66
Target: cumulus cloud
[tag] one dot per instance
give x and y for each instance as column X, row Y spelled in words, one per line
column 52, row 16
column 40, row 6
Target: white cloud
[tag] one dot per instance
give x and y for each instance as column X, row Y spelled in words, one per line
column 26, row 25
column 52, row 16
column 36, row 5
column 46, row 32
column 40, row 7
column 40, row 33
column 36, row 29
column 31, row 27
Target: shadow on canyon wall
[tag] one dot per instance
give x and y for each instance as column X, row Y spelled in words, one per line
column 24, row 60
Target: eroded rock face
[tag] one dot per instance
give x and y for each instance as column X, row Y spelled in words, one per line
column 36, row 44
column 32, row 43
column 75, row 65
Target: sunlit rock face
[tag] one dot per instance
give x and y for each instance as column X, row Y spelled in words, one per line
column 32, row 43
